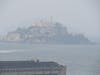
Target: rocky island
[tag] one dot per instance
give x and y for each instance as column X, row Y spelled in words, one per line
column 44, row 33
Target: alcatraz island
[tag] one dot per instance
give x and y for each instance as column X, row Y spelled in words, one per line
column 44, row 33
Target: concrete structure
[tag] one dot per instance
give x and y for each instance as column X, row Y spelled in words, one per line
column 31, row 68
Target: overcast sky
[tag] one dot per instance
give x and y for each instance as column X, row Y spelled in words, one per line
column 80, row 16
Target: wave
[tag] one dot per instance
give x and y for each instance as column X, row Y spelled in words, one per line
column 8, row 51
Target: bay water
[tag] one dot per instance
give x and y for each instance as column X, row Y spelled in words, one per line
column 79, row 59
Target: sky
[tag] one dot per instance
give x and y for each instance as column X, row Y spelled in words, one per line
column 79, row 16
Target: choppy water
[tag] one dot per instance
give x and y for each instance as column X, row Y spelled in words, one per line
column 79, row 59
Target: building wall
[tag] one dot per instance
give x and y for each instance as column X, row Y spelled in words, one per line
column 59, row 71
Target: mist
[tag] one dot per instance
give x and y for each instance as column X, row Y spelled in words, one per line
column 79, row 16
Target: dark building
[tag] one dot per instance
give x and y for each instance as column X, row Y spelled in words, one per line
column 31, row 68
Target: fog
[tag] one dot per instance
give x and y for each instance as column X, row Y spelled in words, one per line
column 80, row 16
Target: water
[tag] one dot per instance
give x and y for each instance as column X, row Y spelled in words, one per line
column 79, row 59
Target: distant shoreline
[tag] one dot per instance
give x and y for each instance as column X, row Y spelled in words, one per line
column 23, row 43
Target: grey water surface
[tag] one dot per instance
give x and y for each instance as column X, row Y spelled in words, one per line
column 79, row 59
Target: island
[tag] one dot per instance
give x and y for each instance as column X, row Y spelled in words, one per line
column 45, row 33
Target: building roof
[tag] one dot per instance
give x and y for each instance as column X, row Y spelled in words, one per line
column 27, row 64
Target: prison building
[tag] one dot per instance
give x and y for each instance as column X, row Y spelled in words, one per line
column 31, row 68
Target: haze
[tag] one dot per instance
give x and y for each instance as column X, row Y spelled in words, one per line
column 80, row 16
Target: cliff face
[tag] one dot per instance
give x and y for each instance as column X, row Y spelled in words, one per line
column 45, row 33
